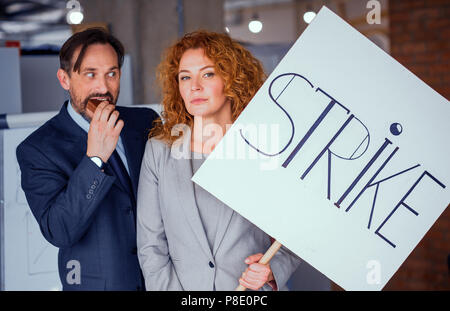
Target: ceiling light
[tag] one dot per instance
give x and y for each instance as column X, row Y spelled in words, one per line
column 75, row 17
column 255, row 24
column 75, row 14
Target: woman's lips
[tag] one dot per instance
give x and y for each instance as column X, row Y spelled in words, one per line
column 198, row 101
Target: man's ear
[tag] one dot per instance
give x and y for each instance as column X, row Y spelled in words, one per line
column 63, row 79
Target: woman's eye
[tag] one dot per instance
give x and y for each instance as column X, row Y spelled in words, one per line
column 111, row 74
column 184, row 78
column 90, row 74
column 209, row 74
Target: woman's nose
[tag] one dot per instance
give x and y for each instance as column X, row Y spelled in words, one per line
column 196, row 85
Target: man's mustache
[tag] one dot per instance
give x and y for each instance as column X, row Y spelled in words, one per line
column 107, row 95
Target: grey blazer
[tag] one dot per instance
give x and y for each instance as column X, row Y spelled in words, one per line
column 173, row 250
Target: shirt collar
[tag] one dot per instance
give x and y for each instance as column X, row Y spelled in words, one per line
column 78, row 118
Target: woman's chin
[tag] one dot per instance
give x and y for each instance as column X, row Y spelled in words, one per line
column 198, row 111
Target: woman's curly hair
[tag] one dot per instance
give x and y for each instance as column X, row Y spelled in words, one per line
column 242, row 73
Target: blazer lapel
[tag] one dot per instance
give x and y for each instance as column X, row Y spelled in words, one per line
column 75, row 137
column 224, row 222
column 132, row 143
column 186, row 196
column 67, row 125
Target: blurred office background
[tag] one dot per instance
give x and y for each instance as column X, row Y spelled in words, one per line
column 415, row 32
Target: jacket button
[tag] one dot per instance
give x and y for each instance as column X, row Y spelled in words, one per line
column 91, row 191
column 93, row 187
column 95, row 182
column 211, row 264
column 88, row 196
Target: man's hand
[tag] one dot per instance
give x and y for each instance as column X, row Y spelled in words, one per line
column 104, row 132
column 256, row 274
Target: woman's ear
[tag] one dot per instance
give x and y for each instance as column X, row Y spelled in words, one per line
column 63, row 79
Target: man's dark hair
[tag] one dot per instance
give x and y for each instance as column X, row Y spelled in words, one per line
column 85, row 39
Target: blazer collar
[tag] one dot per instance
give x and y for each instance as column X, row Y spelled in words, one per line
column 186, row 196
column 69, row 128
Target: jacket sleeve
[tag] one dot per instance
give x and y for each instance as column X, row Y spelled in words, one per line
column 153, row 250
column 64, row 206
column 283, row 265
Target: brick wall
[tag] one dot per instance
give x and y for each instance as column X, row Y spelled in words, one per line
column 420, row 40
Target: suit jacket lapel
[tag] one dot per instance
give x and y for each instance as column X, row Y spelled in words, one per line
column 75, row 137
column 186, row 196
column 67, row 125
column 132, row 143
column 224, row 222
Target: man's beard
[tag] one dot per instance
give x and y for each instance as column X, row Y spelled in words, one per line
column 80, row 105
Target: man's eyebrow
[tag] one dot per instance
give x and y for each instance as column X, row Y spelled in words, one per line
column 95, row 69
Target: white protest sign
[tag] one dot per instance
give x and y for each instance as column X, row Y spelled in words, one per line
column 342, row 156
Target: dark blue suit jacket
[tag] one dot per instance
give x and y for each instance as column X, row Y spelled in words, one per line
column 83, row 211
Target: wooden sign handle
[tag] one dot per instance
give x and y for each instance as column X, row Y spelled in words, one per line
column 265, row 259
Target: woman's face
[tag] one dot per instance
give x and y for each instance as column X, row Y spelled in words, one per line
column 200, row 87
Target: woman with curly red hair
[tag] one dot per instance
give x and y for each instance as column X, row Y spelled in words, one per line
column 187, row 239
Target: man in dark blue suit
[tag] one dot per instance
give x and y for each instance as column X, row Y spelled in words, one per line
column 81, row 168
